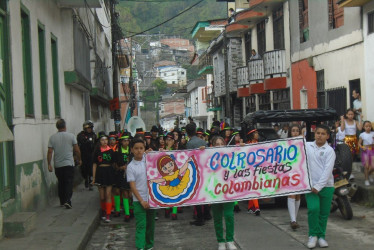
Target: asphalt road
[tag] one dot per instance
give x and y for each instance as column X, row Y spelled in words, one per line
column 269, row 231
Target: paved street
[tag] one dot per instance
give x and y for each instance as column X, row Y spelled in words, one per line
column 269, row 231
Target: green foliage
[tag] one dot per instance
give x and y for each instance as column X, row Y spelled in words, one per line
column 138, row 16
column 160, row 85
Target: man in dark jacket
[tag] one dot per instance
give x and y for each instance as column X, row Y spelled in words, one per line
column 86, row 142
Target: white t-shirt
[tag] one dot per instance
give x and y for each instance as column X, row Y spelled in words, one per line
column 367, row 138
column 340, row 135
column 321, row 161
column 136, row 171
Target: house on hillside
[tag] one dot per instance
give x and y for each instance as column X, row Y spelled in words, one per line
column 175, row 75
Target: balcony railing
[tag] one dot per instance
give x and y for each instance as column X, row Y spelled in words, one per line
column 255, row 71
column 242, row 73
column 275, row 63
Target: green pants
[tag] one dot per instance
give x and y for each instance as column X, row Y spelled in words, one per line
column 319, row 206
column 227, row 210
column 145, row 226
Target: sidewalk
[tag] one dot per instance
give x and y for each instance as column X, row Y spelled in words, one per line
column 61, row 228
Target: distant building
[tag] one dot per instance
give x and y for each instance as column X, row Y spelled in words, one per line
column 173, row 75
column 169, row 110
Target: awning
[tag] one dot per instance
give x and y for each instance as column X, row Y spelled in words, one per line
column 5, row 133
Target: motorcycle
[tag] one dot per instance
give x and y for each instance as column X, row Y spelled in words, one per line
column 342, row 190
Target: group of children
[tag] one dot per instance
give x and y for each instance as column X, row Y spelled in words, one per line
column 358, row 136
column 119, row 170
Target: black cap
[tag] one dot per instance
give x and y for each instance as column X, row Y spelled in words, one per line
column 154, row 128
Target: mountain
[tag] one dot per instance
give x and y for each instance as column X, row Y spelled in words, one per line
column 139, row 15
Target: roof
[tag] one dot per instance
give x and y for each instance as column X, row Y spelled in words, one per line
column 307, row 115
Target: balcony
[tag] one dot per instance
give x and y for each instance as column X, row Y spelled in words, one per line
column 205, row 64
column 256, row 71
column 79, row 76
column 275, row 70
column 235, row 29
column 242, row 74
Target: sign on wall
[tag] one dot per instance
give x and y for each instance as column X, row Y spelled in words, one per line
column 222, row 174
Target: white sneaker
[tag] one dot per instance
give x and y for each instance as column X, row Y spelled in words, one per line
column 367, row 183
column 322, row 242
column 371, row 179
column 222, row 246
column 230, row 245
column 312, row 242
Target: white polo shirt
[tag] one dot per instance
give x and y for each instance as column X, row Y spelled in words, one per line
column 136, row 171
column 321, row 161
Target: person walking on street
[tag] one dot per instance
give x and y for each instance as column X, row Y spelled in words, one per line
column 202, row 211
column 62, row 145
column 321, row 160
column 225, row 210
column 293, row 201
column 103, row 174
column 137, row 177
column 86, row 142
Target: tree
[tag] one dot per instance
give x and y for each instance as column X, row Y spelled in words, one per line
column 160, row 85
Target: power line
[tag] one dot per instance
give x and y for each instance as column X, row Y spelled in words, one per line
column 180, row 13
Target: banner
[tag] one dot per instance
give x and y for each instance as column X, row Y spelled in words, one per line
column 222, row 174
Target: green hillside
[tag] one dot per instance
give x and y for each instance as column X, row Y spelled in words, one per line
column 136, row 16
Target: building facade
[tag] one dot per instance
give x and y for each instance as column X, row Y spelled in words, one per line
column 55, row 61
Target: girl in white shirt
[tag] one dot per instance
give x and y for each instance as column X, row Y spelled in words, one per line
column 349, row 126
column 293, row 201
column 366, row 144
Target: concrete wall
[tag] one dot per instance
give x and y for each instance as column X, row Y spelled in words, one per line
column 34, row 184
column 367, row 90
column 321, row 38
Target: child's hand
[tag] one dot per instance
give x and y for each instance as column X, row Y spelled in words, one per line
column 202, row 147
column 241, row 143
column 145, row 204
column 315, row 191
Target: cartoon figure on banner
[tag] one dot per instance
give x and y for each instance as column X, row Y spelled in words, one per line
column 177, row 185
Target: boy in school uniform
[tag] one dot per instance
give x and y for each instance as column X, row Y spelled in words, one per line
column 321, row 160
column 137, row 177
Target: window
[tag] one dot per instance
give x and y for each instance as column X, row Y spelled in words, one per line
column 321, row 95
column 27, row 67
column 278, row 28
column 371, row 22
column 248, row 44
column 182, row 72
column 264, row 101
column 303, row 21
column 261, row 38
column 56, row 85
column 336, row 14
column 173, row 82
column 43, row 72
column 164, row 74
column 281, row 99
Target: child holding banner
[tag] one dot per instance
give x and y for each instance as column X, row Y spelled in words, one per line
column 226, row 210
column 137, row 177
column 293, row 201
column 253, row 206
column 321, row 160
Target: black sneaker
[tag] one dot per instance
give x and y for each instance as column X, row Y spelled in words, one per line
column 68, row 205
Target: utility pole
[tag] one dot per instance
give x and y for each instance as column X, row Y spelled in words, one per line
column 115, row 38
column 228, row 113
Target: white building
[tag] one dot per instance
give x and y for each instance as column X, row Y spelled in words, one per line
column 173, row 75
column 55, row 62
column 196, row 103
